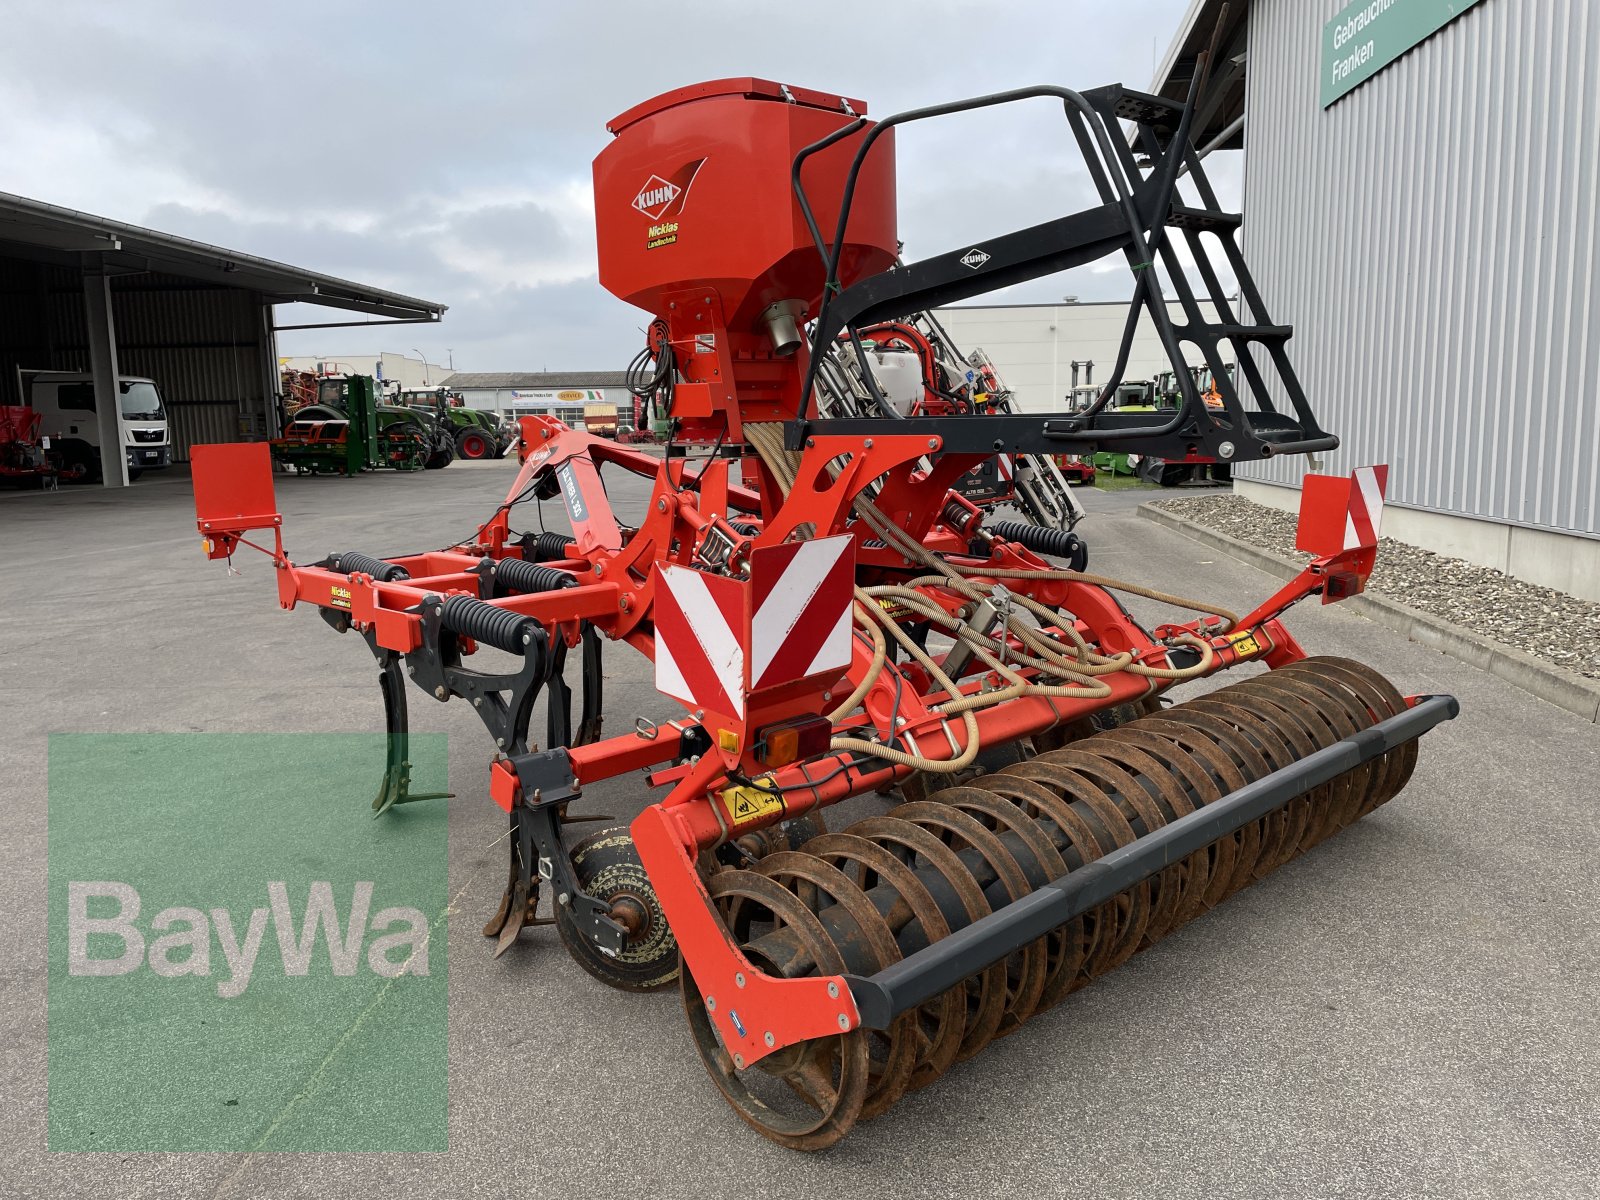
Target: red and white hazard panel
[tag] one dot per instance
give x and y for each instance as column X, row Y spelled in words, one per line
column 1342, row 512
column 719, row 639
column 700, row 657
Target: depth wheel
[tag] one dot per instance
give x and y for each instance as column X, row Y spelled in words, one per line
column 608, row 868
column 806, row 1096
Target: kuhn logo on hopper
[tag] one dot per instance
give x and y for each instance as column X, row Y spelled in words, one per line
column 665, row 197
column 655, row 196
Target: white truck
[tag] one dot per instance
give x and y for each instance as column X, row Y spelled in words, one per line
column 64, row 401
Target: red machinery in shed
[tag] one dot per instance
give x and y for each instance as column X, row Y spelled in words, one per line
column 837, row 623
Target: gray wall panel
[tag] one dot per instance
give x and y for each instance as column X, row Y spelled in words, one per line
column 1433, row 236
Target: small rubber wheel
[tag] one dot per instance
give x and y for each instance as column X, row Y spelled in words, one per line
column 77, row 467
column 473, row 444
column 609, row 869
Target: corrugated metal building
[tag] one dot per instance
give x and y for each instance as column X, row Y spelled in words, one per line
column 1420, row 203
column 552, row 393
column 198, row 319
column 1035, row 345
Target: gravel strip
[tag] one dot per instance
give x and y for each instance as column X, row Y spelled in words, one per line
column 1561, row 629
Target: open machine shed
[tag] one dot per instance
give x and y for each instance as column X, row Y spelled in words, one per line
column 83, row 293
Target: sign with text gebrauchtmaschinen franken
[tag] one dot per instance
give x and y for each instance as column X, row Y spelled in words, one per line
column 1368, row 35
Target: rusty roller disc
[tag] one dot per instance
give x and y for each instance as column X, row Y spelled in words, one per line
column 1128, row 916
column 806, row 1096
column 941, row 1023
column 1025, row 970
column 986, row 992
column 892, row 1053
column 1068, row 946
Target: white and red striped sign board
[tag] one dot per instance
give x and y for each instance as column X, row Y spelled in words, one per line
column 718, row 639
column 1342, row 512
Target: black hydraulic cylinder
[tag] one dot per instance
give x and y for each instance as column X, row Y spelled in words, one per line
column 938, row 967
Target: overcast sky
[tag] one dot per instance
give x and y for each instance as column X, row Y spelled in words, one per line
column 443, row 150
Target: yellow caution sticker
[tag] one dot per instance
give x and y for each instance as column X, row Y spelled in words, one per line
column 340, row 597
column 1244, row 643
column 746, row 804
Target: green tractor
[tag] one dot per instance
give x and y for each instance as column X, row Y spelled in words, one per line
column 1133, row 396
column 346, row 431
column 478, row 434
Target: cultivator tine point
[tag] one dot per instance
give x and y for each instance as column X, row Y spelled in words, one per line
column 396, row 789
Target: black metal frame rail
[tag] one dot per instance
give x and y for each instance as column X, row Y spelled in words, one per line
column 937, row 968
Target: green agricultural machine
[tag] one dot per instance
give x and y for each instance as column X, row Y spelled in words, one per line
column 477, row 434
column 347, row 431
column 1132, row 396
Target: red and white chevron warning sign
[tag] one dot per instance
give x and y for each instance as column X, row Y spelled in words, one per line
column 720, row 639
column 1342, row 512
column 700, row 657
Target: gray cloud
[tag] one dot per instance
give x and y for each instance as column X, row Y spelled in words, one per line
column 444, row 151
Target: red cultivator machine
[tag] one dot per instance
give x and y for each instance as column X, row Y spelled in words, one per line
column 23, row 457
column 837, row 623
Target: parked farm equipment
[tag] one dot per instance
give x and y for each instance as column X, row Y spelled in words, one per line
column 1192, row 469
column 476, row 434
column 912, row 368
column 837, row 622
column 347, row 431
column 24, row 458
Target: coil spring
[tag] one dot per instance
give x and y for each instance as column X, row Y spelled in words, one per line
column 353, row 561
column 745, row 527
column 547, row 547
column 508, row 631
column 889, row 885
column 1057, row 542
column 513, row 575
column 959, row 516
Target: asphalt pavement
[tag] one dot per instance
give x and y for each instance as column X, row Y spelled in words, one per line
column 1410, row 1009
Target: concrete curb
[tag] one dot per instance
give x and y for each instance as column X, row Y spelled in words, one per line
column 1565, row 689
